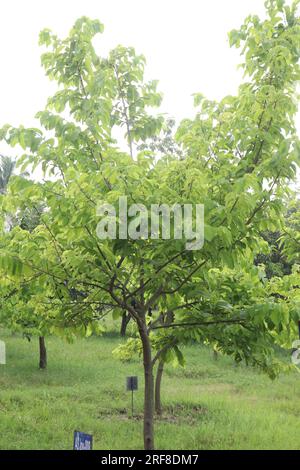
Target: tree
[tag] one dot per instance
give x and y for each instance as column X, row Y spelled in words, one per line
column 275, row 261
column 27, row 220
column 290, row 237
column 238, row 156
column 282, row 259
column 243, row 293
column 6, row 171
column 164, row 143
column 282, row 253
column 18, row 313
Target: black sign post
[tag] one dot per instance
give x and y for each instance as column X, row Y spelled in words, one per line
column 131, row 386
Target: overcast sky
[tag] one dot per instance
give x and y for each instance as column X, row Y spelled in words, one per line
column 185, row 43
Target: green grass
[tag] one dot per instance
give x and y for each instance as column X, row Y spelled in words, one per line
column 208, row 405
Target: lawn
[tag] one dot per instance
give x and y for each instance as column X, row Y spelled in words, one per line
column 208, row 405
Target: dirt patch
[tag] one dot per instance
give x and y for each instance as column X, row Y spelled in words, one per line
column 178, row 413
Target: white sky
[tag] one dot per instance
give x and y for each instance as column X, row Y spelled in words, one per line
column 185, row 44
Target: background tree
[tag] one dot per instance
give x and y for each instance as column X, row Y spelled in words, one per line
column 290, row 239
column 27, row 220
column 281, row 261
column 7, row 166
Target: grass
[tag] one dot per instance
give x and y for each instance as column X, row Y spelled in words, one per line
column 208, row 405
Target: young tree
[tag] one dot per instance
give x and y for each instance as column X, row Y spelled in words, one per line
column 15, row 318
column 19, row 314
column 239, row 155
column 265, row 309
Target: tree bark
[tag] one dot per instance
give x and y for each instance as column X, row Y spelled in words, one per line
column 159, row 373
column 124, row 323
column 148, row 391
column 43, row 353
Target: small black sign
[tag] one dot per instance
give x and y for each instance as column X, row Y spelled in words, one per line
column 82, row 441
column 131, row 383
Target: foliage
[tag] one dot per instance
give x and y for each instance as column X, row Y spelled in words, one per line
column 291, row 235
column 6, row 171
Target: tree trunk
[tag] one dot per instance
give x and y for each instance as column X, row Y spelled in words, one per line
column 159, row 373
column 43, row 353
column 124, row 323
column 215, row 355
column 148, row 391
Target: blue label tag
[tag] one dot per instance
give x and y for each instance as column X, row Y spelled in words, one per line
column 82, row 441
